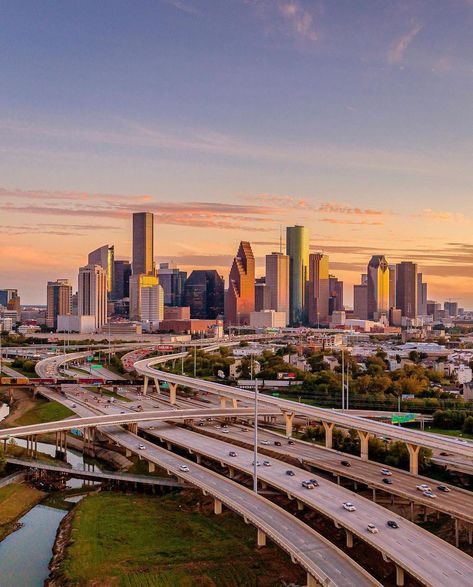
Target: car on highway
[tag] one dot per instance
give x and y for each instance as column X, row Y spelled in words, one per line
column 423, row 487
column 290, row 442
column 244, row 429
column 277, row 443
column 265, row 442
column 345, row 463
column 290, row 472
column 347, row 505
column 443, row 488
column 392, row 524
column 429, row 494
column 141, row 447
column 387, row 481
column 184, row 468
column 258, row 464
column 372, row 528
column 386, row 472
column 232, row 453
column 266, row 464
column 307, row 484
column 225, row 430
column 314, row 482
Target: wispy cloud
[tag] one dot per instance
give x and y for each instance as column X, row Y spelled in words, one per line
column 182, row 6
column 399, row 47
column 444, row 216
column 299, row 19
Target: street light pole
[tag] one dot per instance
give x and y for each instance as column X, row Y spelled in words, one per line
column 343, row 380
column 255, row 449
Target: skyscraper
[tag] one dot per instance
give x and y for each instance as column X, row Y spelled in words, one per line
column 6, row 295
column 172, row 281
column 421, row 296
column 204, row 293
column 146, row 298
column 121, row 280
column 277, row 279
column 240, row 298
column 318, row 289
column 297, row 249
column 360, row 301
column 406, row 288
column 92, row 294
column 59, row 301
column 143, row 243
column 392, row 286
column 105, row 257
column 335, row 300
column 262, row 295
column 378, row 287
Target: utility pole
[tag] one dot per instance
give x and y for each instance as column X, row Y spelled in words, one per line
column 195, row 360
column 343, row 379
column 255, row 448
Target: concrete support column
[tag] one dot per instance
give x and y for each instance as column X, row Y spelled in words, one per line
column 470, row 535
column 261, row 539
column 35, row 443
column 151, row 467
column 127, row 452
column 198, row 459
column 374, row 494
column 217, row 506
column 311, row 581
column 457, row 532
column 411, row 504
column 413, row 458
column 288, row 417
column 349, row 536
column 145, row 384
column 399, row 576
column 364, row 439
column 231, row 472
column 234, row 403
column 300, row 506
column 168, row 445
column 328, row 426
column 223, row 402
column 156, row 384
column 172, row 393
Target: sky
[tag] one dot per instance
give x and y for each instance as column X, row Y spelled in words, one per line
column 231, row 119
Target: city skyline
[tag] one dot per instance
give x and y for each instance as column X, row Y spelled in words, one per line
column 228, row 124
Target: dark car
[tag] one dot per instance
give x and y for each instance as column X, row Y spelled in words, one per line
column 443, row 488
column 392, row 524
column 314, row 482
column 232, row 453
column 346, row 463
column 387, row 481
column 277, row 443
column 290, row 472
column 290, row 442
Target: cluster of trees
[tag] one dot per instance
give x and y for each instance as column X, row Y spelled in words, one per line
column 454, row 420
column 24, row 365
column 394, row 454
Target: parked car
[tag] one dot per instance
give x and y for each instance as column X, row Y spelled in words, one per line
column 372, row 528
column 347, row 505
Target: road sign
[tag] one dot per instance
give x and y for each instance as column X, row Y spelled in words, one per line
column 96, row 366
column 402, row 418
column 90, row 359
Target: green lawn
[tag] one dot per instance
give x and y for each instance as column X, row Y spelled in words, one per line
column 458, row 433
column 135, row 541
column 43, row 411
column 15, row 500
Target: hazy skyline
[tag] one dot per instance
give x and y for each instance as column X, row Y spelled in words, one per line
column 230, row 119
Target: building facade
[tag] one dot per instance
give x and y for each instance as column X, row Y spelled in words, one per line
column 297, row 249
column 406, row 288
column 318, row 289
column 378, row 287
column 92, row 294
column 204, row 293
column 105, row 257
column 240, row 298
column 173, row 281
column 121, row 280
column 143, row 243
column 58, row 301
column 277, row 279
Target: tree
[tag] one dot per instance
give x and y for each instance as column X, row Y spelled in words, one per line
column 468, row 425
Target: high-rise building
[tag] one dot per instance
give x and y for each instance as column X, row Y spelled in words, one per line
column 451, row 308
column 392, row 286
column 6, row 295
column 121, row 280
column 406, row 288
column 335, row 300
column 143, row 243
column 378, row 287
column 262, row 295
column 277, row 279
column 59, row 301
column 360, row 301
column 105, row 257
column 204, row 293
column 92, row 294
column 240, row 298
column 146, row 298
column 173, row 281
column 421, row 296
column 297, row 249
column 318, row 289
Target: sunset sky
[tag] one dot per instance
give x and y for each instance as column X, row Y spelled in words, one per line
column 229, row 119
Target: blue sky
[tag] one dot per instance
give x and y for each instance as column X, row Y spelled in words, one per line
column 354, row 118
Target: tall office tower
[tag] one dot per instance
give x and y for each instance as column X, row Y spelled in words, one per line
column 318, row 289
column 335, row 300
column 172, row 281
column 142, row 292
column 392, row 286
column 121, row 280
column 378, row 287
column 262, row 295
column 297, row 249
column 92, row 294
column 204, row 293
column 6, row 295
column 277, row 279
column 451, row 308
column 421, row 296
column 360, row 301
column 143, row 243
column 105, row 257
column 59, row 301
column 240, row 298
column 406, row 288
column 433, row 308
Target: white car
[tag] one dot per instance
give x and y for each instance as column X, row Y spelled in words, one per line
column 347, row 505
column 423, row 487
column 372, row 528
column 184, row 468
column 429, row 494
column 225, row 430
column 266, row 442
column 386, row 472
column 266, row 464
column 141, row 447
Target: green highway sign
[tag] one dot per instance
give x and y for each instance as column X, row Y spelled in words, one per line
column 90, row 359
column 96, row 366
column 402, row 418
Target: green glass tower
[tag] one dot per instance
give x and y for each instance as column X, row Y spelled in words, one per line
column 297, row 249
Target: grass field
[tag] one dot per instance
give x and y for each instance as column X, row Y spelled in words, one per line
column 142, row 541
column 458, row 433
column 15, row 500
column 43, row 411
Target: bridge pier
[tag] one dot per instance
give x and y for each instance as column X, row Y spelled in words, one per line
column 234, row 403
column 364, row 440
column 288, row 418
column 413, row 458
column 172, row 393
column 399, row 576
column 156, row 384
column 151, row 467
column 223, row 402
column 457, row 532
column 145, row 384
column 328, row 427
column 261, row 538
column 470, row 534
column 349, row 537
column 217, row 506
column 132, row 427
column 311, row 581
